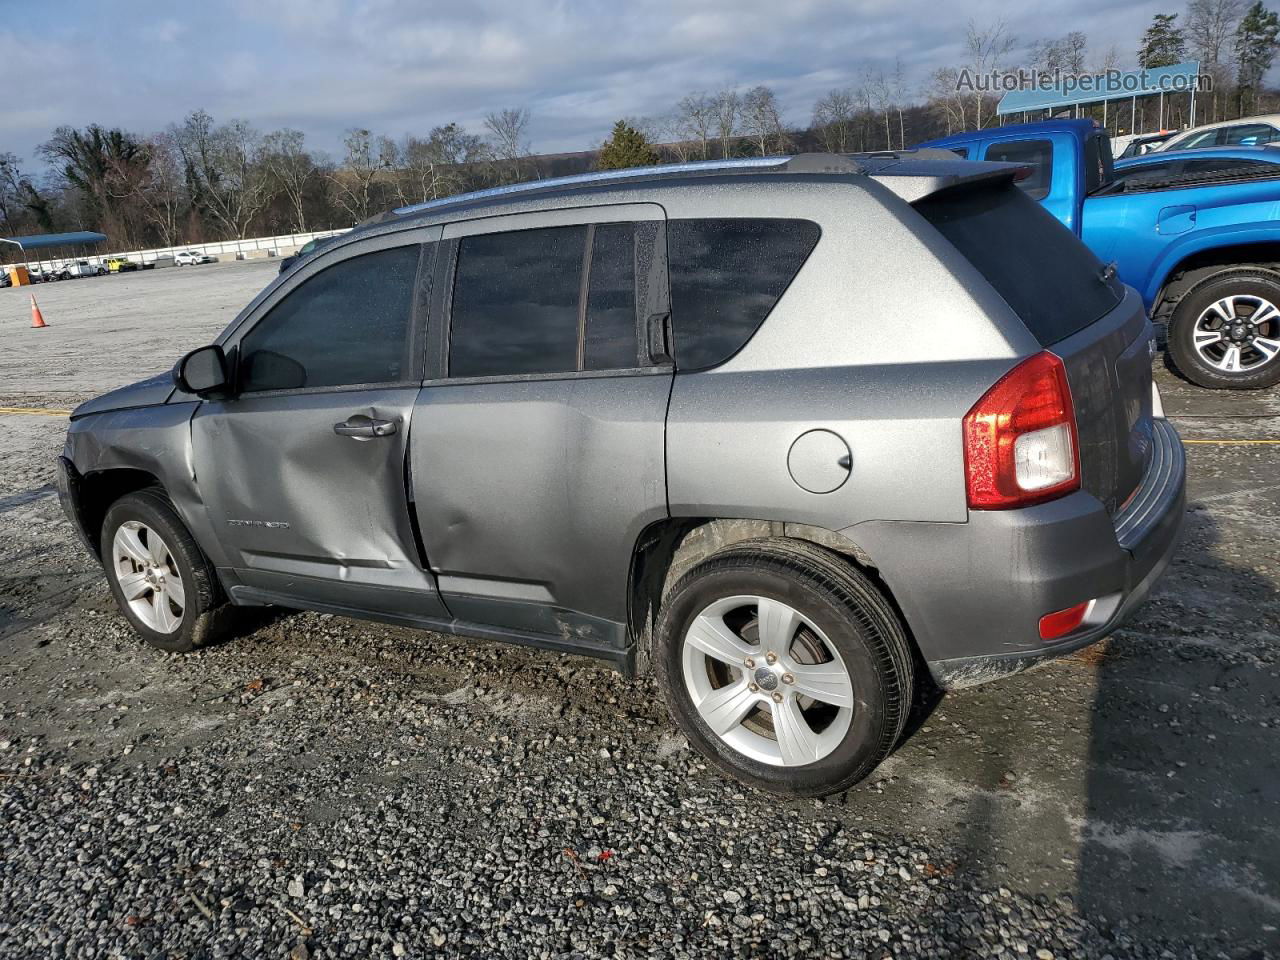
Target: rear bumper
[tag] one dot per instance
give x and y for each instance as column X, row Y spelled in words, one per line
column 973, row 593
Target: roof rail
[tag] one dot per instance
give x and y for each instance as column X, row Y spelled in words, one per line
column 600, row 176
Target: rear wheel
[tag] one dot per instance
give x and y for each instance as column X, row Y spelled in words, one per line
column 162, row 582
column 785, row 666
column 1225, row 333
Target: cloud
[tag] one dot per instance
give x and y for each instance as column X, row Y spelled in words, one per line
column 397, row 66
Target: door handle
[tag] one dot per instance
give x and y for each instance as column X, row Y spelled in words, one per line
column 360, row 427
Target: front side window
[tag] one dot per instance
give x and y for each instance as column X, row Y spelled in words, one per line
column 1038, row 154
column 1209, row 138
column 726, row 275
column 348, row 324
column 551, row 300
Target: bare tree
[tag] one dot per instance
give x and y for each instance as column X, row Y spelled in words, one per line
column 898, row 91
column 878, row 90
column 225, row 163
column 354, row 182
column 946, row 99
column 437, row 166
column 291, row 168
column 985, row 47
column 695, row 119
column 727, row 107
column 160, row 192
column 833, row 120
column 761, row 120
column 1210, row 31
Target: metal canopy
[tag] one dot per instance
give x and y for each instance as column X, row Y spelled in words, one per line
column 43, row 241
column 1176, row 78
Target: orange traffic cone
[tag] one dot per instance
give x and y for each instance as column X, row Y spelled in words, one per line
column 37, row 318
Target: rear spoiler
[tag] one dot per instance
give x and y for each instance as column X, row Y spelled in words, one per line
column 916, row 174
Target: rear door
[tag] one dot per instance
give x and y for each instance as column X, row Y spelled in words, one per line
column 303, row 471
column 537, row 450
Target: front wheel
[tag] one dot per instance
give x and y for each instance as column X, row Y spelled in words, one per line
column 162, row 582
column 1225, row 333
column 785, row 666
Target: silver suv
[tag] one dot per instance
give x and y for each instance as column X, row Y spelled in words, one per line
column 789, row 432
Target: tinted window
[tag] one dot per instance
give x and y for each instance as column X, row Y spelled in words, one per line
column 1248, row 135
column 726, row 275
column 347, row 324
column 1037, row 153
column 961, row 152
column 1050, row 279
column 611, row 341
column 515, row 303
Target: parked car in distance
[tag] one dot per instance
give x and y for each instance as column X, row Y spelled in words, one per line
column 1122, row 148
column 641, row 415
column 187, row 258
column 80, row 268
column 121, row 265
column 311, row 246
column 1200, row 246
column 1245, row 132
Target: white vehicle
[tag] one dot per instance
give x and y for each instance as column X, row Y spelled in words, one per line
column 190, row 258
column 1245, row 132
column 81, row 268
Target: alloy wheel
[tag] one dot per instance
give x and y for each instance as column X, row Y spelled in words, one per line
column 1238, row 333
column 148, row 577
column 767, row 681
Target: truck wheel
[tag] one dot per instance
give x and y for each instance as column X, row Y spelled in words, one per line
column 162, row 582
column 784, row 666
column 1225, row 333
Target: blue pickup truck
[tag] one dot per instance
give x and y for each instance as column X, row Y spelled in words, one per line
column 1201, row 243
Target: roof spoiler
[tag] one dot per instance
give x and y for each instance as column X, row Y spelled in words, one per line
column 922, row 173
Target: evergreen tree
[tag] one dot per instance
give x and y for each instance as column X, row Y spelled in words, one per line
column 1256, row 42
column 1163, row 43
column 627, row 147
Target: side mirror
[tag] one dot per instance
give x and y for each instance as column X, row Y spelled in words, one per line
column 202, row 371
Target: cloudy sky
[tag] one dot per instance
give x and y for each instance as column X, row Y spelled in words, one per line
column 396, row 66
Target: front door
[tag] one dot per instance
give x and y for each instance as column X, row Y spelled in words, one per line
column 537, row 451
column 303, row 470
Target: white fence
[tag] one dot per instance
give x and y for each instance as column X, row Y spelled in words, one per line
column 249, row 249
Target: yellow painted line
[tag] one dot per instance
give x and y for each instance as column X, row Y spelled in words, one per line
column 36, row 411
column 1234, row 442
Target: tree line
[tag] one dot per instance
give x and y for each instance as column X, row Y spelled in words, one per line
column 203, row 179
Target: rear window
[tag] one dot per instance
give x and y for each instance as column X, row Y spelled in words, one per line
column 726, row 275
column 1050, row 279
column 1038, row 154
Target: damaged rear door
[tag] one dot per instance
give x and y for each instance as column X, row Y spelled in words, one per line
column 303, row 471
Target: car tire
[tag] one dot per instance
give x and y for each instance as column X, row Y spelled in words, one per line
column 1202, row 314
column 840, row 638
column 162, row 582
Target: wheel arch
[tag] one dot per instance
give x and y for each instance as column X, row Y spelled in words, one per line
column 668, row 548
column 1192, row 268
column 95, row 492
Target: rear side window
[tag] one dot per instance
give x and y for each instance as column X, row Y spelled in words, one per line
column 515, row 303
column 348, row 324
column 1037, row 153
column 552, row 300
column 1099, row 165
column 1042, row 270
column 726, row 275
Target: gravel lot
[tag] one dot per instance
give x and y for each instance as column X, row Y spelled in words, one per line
column 320, row 787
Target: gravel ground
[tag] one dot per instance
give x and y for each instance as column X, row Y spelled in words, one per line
column 319, row 787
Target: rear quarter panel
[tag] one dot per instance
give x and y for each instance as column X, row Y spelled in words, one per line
column 885, row 337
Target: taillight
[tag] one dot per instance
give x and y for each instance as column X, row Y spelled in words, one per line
column 1020, row 442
